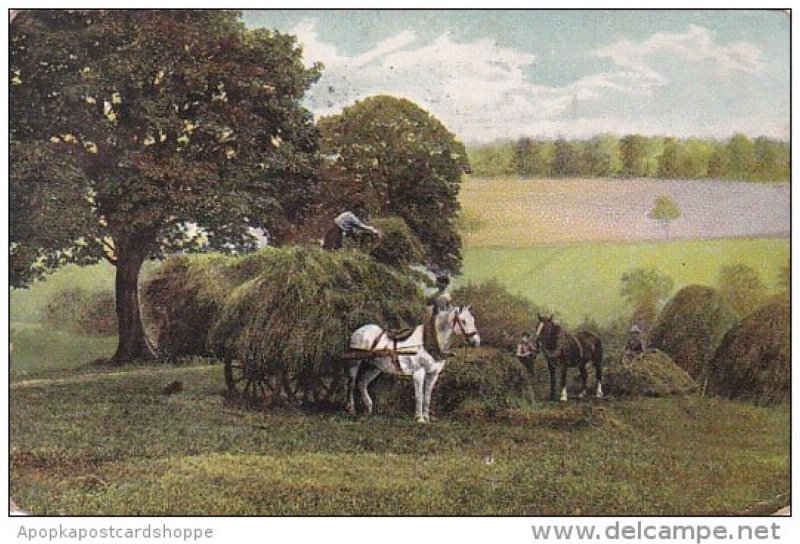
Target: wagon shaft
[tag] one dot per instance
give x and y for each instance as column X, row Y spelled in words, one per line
column 355, row 354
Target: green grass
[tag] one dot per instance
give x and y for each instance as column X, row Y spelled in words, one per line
column 27, row 303
column 576, row 280
column 88, row 439
column 111, row 443
column 38, row 351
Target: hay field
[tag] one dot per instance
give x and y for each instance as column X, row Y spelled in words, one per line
column 512, row 212
column 565, row 244
column 190, row 453
column 160, row 454
column 576, row 280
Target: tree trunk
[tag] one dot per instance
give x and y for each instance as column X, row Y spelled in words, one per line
column 133, row 343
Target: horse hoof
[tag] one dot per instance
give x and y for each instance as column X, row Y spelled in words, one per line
column 420, row 419
column 582, row 395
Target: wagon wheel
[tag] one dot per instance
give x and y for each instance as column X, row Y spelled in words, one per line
column 248, row 381
column 292, row 386
column 326, row 388
column 305, row 387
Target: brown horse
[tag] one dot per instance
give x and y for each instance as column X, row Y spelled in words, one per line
column 564, row 350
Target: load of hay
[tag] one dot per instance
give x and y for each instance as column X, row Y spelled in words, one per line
column 475, row 383
column 181, row 300
column 397, row 246
column 690, row 328
column 297, row 314
column 754, row 360
column 500, row 316
column 652, row 374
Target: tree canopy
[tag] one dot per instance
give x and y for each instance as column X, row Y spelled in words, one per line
column 645, row 289
column 739, row 157
column 665, row 210
column 742, row 288
column 397, row 159
column 137, row 132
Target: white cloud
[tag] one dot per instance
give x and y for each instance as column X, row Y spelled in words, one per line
column 482, row 91
column 664, row 50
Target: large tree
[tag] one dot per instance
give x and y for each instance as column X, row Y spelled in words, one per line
column 401, row 161
column 135, row 133
column 565, row 159
column 741, row 159
column 633, row 152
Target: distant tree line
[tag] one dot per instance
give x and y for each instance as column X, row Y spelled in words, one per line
column 738, row 158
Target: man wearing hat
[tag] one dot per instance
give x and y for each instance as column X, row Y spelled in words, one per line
column 440, row 299
column 635, row 345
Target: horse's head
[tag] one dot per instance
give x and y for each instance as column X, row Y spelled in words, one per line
column 547, row 332
column 464, row 324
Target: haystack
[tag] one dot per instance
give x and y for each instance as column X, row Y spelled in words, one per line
column 474, row 383
column 79, row 311
column 754, row 360
column 397, row 246
column 298, row 313
column 653, row 374
column 691, row 327
column 500, row 316
column 181, row 300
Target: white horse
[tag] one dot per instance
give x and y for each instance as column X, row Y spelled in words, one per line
column 407, row 355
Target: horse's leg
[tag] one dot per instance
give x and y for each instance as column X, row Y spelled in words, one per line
column 584, row 378
column 598, row 373
column 563, row 381
column 419, row 392
column 368, row 378
column 430, row 382
column 551, row 366
column 352, row 372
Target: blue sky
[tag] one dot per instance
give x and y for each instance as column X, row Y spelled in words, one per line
column 503, row 74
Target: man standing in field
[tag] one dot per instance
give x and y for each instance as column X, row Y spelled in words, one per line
column 526, row 353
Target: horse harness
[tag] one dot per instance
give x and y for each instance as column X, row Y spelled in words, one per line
column 457, row 321
column 559, row 352
column 391, row 353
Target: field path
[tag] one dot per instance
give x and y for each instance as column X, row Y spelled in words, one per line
column 99, row 376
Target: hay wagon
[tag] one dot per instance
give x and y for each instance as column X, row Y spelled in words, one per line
column 279, row 318
column 282, row 334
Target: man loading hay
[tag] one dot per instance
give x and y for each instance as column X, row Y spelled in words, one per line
column 635, row 346
column 346, row 223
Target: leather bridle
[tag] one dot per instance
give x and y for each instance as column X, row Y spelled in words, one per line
column 457, row 321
